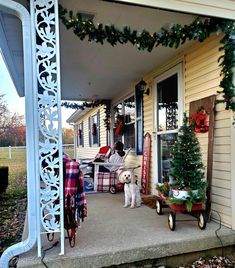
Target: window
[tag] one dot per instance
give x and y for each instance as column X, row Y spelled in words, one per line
column 129, row 119
column 124, row 118
column 80, row 135
column 94, row 129
column 168, row 115
column 167, row 104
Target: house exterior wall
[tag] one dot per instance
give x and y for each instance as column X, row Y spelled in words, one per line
column 202, row 79
column 87, row 151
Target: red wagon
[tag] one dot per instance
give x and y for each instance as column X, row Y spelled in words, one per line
column 197, row 211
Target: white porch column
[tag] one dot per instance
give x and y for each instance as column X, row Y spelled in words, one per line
column 46, row 62
column 18, row 10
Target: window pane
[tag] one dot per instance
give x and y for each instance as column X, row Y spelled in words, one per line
column 139, row 100
column 126, row 133
column 165, row 146
column 167, row 102
column 94, row 129
column 129, row 136
column 129, row 133
column 129, row 110
column 80, row 134
column 118, row 110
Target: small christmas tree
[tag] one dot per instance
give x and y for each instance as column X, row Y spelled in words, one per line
column 186, row 165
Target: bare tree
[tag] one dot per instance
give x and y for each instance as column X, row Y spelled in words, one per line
column 4, row 115
column 8, row 122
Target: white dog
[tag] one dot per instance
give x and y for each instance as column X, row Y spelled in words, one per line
column 131, row 189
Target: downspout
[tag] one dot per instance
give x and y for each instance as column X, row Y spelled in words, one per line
column 32, row 176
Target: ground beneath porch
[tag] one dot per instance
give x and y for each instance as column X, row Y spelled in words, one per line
column 113, row 235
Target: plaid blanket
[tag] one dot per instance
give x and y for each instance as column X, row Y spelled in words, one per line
column 105, row 181
column 74, row 189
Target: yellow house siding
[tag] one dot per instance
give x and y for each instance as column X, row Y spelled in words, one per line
column 148, row 127
column 202, row 79
column 87, row 151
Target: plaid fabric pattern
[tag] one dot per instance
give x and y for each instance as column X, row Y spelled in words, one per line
column 75, row 197
column 81, row 204
column 71, row 177
column 105, row 181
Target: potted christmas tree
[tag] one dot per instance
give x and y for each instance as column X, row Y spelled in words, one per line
column 187, row 167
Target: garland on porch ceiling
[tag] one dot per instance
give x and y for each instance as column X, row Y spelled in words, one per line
column 177, row 34
column 93, row 104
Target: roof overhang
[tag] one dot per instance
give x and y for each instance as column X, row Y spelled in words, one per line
column 76, row 115
column 90, row 71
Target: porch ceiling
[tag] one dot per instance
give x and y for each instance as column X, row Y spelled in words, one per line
column 92, row 71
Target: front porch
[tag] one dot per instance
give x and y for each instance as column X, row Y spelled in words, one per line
column 113, row 235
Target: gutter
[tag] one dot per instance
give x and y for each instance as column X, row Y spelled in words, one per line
column 32, row 176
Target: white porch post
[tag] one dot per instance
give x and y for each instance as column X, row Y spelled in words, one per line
column 46, row 62
column 17, row 9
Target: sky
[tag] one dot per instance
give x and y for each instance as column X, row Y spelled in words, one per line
column 15, row 103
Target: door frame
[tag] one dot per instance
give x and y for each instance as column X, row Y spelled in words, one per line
column 177, row 69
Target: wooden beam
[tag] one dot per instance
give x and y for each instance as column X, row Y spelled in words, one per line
column 209, row 105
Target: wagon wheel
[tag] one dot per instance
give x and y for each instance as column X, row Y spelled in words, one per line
column 112, row 190
column 159, row 207
column 201, row 220
column 171, row 220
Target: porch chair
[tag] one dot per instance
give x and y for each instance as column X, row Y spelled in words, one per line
column 86, row 165
column 108, row 181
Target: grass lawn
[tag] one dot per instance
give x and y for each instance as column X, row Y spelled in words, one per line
column 13, row 201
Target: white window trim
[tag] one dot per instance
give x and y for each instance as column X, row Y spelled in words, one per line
column 179, row 70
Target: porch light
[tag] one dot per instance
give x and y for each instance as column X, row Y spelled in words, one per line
column 141, row 87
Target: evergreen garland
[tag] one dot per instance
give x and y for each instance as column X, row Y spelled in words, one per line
column 93, row 104
column 199, row 29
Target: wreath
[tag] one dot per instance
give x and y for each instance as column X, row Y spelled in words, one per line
column 119, row 125
column 199, row 121
column 94, row 129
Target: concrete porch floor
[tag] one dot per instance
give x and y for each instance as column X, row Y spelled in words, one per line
column 113, row 235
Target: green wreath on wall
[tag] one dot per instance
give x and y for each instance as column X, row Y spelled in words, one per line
column 199, row 29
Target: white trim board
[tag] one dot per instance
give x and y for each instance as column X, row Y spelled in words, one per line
column 216, row 8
